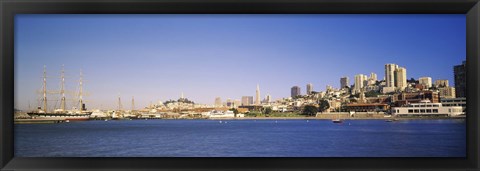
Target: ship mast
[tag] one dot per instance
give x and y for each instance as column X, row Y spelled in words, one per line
column 80, row 95
column 45, row 88
column 62, row 90
column 120, row 113
column 133, row 103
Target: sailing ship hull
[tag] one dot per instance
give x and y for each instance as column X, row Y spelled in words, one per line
column 61, row 116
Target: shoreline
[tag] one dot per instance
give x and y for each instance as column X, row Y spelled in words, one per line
column 317, row 118
column 50, row 121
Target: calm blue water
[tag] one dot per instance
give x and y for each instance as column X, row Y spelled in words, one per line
column 243, row 138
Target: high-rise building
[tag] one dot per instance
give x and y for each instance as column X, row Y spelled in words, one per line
column 401, row 78
column 343, row 82
column 390, row 74
column 426, row 81
column 373, row 76
column 359, row 82
column 247, row 100
column 236, row 103
column 229, row 102
column 460, row 73
column 373, row 79
column 446, row 92
column 268, row 98
column 218, row 102
column 441, row 83
column 295, row 91
column 365, row 80
column 257, row 96
column 309, row 88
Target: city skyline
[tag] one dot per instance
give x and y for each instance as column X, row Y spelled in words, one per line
column 173, row 58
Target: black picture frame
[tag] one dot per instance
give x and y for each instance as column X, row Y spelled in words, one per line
column 9, row 8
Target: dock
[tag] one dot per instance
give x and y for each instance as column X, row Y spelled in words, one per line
column 38, row 121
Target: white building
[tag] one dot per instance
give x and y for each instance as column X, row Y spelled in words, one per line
column 309, row 88
column 401, row 78
column 359, row 83
column 427, row 81
column 390, row 74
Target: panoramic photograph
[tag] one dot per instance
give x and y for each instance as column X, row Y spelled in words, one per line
column 240, row 85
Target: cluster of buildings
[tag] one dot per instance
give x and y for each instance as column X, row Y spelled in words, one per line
column 366, row 94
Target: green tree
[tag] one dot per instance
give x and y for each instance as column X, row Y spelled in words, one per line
column 235, row 111
column 310, row 110
column 372, row 94
column 324, row 105
column 267, row 110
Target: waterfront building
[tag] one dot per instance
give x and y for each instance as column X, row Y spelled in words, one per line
column 441, row 83
column 460, row 101
column 390, row 74
column 359, row 83
column 295, row 91
column 309, row 88
column 426, row 108
column 460, row 79
column 446, row 92
column 247, row 100
column 401, row 78
column 404, row 98
column 366, row 107
column 257, row 96
column 343, row 82
column 218, row 102
column 427, row 81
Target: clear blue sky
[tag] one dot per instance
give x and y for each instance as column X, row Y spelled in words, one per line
column 156, row 57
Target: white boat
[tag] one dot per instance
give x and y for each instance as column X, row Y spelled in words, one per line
column 220, row 114
column 98, row 114
column 428, row 109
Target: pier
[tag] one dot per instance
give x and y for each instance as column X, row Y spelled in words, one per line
column 38, row 121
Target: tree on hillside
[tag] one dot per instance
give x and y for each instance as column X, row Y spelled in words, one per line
column 324, row 105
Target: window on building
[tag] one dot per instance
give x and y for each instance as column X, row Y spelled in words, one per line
column 422, row 110
column 435, row 110
column 429, row 110
column 410, row 110
column 416, row 111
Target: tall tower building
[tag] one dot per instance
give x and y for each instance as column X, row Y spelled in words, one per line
column 257, row 96
column 390, row 74
column 359, row 82
column 295, row 91
column 441, row 83
column 343, row 82
column 401, row 78
column 218, row 102
column 268, row 98
column 309, row 88
column 247, row 100
column 460, row 74
column 372, row 79
column 427, row 81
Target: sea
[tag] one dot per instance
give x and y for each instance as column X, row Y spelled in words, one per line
column 243, row 138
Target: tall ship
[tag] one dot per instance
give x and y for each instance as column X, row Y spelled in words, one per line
column 79, row 112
